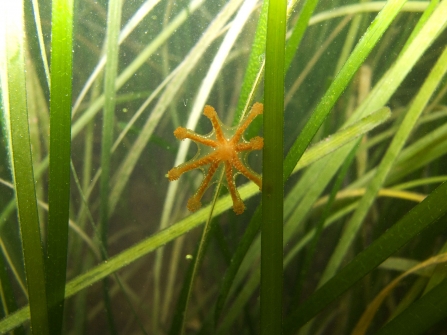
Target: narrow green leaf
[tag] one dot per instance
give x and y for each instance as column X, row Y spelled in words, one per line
column 254, row 63
column 298, row 31
column 59, row 170
column 272, row 172
column 422, row 20
column 14, row 97
column 342, row 137
column 112, row 48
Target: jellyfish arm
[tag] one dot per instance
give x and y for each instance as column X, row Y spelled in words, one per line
column 225, row 151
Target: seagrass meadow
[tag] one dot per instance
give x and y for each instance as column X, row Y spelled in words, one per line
column 223, row 167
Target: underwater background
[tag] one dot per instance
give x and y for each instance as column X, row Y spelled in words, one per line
column 96, row 232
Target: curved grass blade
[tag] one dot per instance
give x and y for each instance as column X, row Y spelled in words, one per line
column 112, row 49
column 16, row 114
column 422, row 20
column 365, row 7
column 374, row 305
column 423, row 216
column 326, row 146
column 59, row 169
column 420, row 315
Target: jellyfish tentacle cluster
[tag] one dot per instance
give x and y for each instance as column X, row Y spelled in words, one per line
column 225, row 150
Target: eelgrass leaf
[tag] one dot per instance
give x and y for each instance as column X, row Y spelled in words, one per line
column 14, row 99
column 254, row 65
column 422, row 20
column 112, row 49
column 271, row 294
column 298, row 31
column 59, row 154
column 40, row 36
column 412, row 157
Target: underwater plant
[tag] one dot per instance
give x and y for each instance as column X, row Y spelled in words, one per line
column 94, row 237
